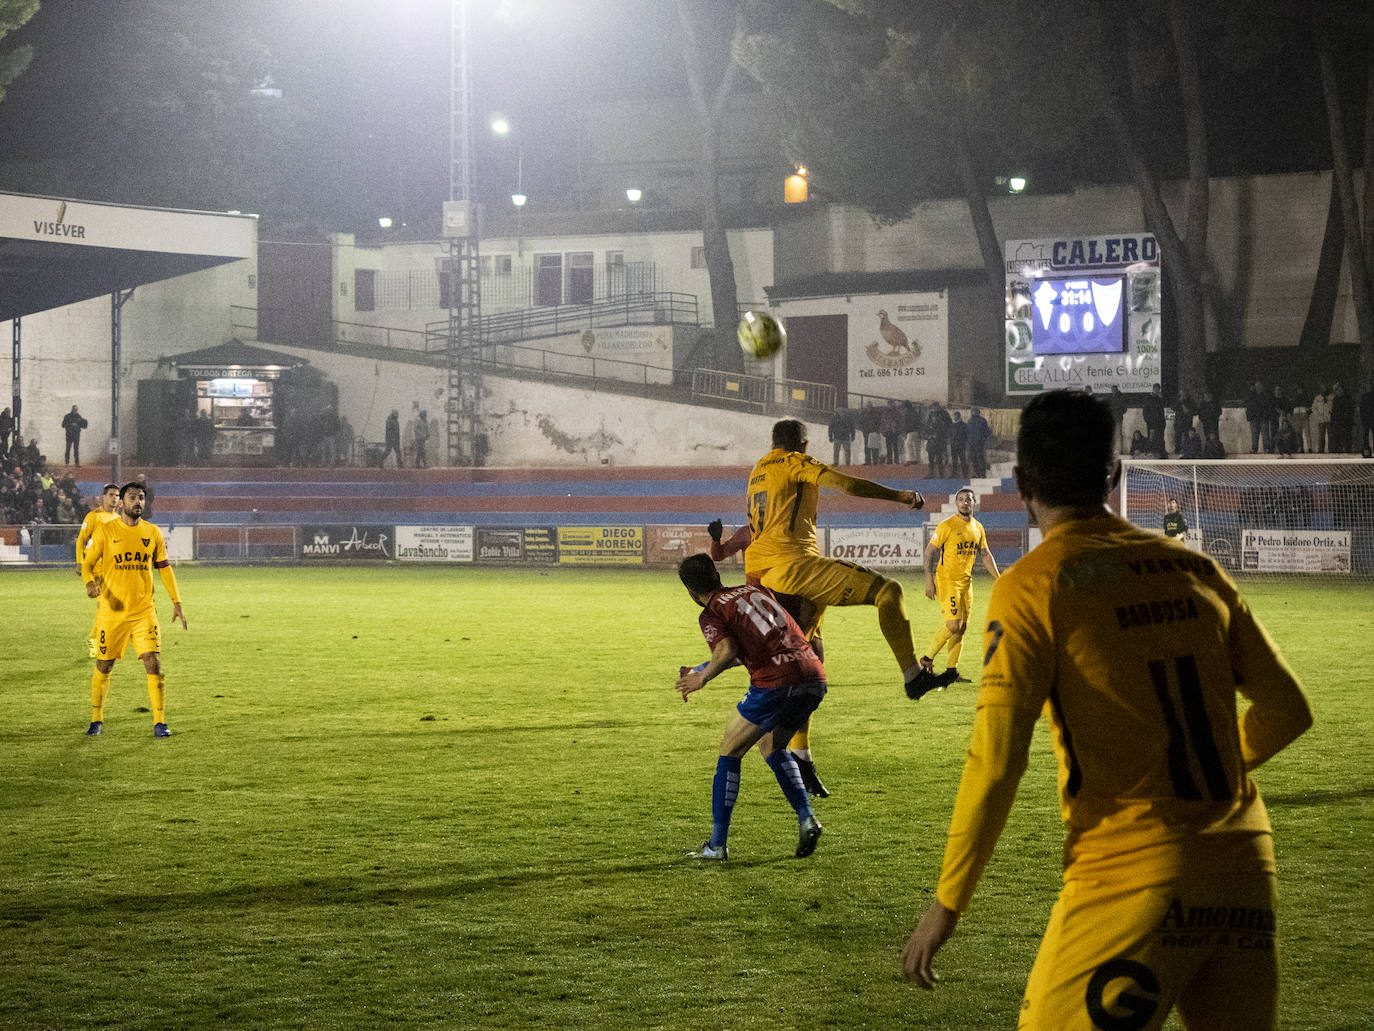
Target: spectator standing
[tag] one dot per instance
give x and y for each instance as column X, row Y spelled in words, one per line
column 958, row 447
column 1184, row 414
column 979, row 433
column 1257, row 415
column 915, row 426
column 873, row 447
column 1299, row 420
column 1366, row 420
column 73, row 424
column 1152, row 410
column 841, row 434
column 1209, row 415
column 1118, row 403
column 481, row 447
column 392, row 436
column 1342, row 414
column 6, row 428
column 890, row 425
column 1320, row 419
column 938, row 423
column 422, row 440
column 1278, row 409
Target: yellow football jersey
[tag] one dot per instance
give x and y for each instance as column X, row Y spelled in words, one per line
column 960, row 544
column 1135, row 647
column 95, row 518
column 125, row 557
column 781, row 502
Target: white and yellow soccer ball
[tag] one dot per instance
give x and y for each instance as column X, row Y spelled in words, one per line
column 760, row 335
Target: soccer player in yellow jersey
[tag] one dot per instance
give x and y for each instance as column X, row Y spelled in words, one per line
column 782, row 554
column 118, row 569
column 949, row 580
column 109, row 509
column 1135, row 648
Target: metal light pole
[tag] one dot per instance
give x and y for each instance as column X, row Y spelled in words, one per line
column 460, row 228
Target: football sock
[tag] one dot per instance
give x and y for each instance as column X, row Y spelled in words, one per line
column 100, row 687
column 893, row 623
column 157, row 693
column 801, row 741
column 790, row 780
column 938, row 641
column 724, row 791
column 956, row 648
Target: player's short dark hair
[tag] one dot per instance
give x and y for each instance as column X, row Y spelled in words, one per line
column 699, row 574
column 1066, row 448
column 789, row 434
column 109, row 486
column 131, row 485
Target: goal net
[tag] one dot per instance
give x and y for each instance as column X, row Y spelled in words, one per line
column 1298, row 516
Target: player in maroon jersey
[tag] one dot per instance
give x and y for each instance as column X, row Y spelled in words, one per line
column 786, row 683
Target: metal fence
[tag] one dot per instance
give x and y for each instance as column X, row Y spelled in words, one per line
column 764, row 393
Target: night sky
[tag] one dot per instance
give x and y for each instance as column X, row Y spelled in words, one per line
column 373, row 78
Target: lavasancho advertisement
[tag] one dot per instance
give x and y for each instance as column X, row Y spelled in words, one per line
column 434, row 543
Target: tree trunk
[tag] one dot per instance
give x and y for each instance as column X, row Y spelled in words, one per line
column 988, row 245
column 1356, row 257
column 710, row 110
column 1321, row 307
column 720, row 267
column 1174, row 254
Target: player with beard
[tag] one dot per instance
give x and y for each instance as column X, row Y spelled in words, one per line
column 118, row 569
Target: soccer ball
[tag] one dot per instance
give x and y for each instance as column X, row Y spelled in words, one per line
column 760, row 335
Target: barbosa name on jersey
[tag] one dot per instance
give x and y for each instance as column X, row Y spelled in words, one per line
column 1152, row 613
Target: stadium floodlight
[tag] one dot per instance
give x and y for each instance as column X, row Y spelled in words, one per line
column 384, row 222
column 633, row 195
column 1016, row 183
column 518, row 199
column 500, row 125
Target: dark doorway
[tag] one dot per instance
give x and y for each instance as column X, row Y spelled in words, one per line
column 818, row 351
column 548, row 283
column 294, row 296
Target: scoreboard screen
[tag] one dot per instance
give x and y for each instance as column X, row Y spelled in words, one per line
column 1078, row 315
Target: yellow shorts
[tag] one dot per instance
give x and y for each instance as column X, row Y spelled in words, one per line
column 954, row 599
column 824, row 581
column 1123, row 957
column 113, row 636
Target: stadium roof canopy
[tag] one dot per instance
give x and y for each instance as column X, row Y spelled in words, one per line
column 55, row 252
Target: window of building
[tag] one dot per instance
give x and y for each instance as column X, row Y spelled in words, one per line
column 698, row 257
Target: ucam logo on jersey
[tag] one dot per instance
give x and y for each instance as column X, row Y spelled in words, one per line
column 879, row 547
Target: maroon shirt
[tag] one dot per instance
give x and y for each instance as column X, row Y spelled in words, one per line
column 771, row 645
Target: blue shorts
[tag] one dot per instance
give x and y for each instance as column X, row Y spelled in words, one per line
column 790, row 706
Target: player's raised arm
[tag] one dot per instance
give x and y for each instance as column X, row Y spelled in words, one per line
column 858, row 487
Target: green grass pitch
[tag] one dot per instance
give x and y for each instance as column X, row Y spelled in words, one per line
column 461, row 798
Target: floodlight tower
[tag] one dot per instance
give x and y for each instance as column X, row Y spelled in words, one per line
column 463, row 350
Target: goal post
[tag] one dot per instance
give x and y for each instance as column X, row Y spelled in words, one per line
column 1296, row 516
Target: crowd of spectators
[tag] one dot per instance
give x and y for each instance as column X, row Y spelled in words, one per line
column 29, row 493
column 893, row 434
